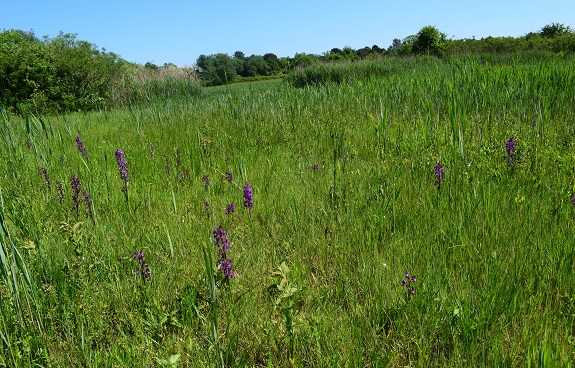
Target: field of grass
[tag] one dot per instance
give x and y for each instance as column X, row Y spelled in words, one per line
column 347, row 198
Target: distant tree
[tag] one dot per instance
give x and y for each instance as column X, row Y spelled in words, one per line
column 554, row 30
column 150, row 65
column 273, row 63
column 334, row 55
column 466, row 45
column 169, row 65
column 349, row 53
column 531, row 35
column 402, row 47
column 396, row 43
column 217, row 69
column 286, row 63
column 202, row 62
column 255, row 65
column 395, row 46
column 364, row 52
column 304, row 59
column 430, row 40
column 377, row 49
column 239, row 55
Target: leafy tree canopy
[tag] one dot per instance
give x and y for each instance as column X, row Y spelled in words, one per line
column 554, row 30
column 218, row 69
column 430, row 40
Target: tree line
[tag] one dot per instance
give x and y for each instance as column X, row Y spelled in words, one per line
column 223, row 69
column 65, row 74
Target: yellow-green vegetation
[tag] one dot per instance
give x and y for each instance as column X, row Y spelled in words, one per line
column 115, row 236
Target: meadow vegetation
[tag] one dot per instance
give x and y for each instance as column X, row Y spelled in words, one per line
column 394, row 212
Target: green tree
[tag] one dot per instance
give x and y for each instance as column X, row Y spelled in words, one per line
column 239, row 55
column 377, row 49
column 150, row 65
column 364, row 52
column 217, row 69
column 395, row 46
column 555, row 30
column 431, row 41
column 334, row 54
column 303, row 59
column 273, row 63
column 349, row 53
column 255, row 65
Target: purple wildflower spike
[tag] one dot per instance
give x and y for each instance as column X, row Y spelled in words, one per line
column 223, row 246
column 123, row 169
column 88, row 203
column 248, row 198
column 44, row 172
column 510, row 148
column 407, row 283
column 206, row 181
column 167, row 165
column 81, row 147
column 59, row 191
column 439, row 174
column 143, row 269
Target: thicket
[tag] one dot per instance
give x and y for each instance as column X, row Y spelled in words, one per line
column 57, row 74
column 61, row 74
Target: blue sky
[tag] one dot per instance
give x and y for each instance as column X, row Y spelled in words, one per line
column 180, row 31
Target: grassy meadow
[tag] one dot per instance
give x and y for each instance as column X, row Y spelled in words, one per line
column 347, row 198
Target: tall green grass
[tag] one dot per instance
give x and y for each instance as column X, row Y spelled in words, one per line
column 491, row 249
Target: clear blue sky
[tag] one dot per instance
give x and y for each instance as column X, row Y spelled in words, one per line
column 180, row 31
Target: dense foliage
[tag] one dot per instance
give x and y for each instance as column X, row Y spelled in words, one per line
column 65, row 74
column 221, row 69
column 58, row 74
column 430, row 41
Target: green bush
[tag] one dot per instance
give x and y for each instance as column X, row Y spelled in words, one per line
column 26, row 70
column 218, row 69
column 58, row 74
column 430, row 40
column 62, row 74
